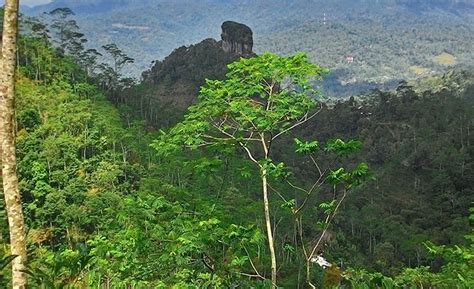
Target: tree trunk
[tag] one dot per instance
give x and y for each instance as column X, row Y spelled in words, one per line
column 308, row 273
column 7, row 136
column 266, row 205
column 268, row 223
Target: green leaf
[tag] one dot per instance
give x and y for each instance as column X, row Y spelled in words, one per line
column 342, row 148
column 306, row 147
column 4, row 262
column 338, row 176
column 291, row 204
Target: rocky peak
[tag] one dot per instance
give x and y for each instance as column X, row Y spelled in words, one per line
column 237, row 38
column 172, row 84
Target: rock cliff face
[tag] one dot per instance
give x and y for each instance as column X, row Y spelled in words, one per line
column 172, row 85
column 237, row 38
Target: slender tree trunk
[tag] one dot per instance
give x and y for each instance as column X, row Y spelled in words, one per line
column 268, row 223
column 7, row 136
column 266, row 205
column 308, row 273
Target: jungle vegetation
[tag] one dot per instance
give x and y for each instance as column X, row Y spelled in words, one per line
column 249, row 187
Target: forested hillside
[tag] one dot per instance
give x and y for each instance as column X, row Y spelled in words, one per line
column 366, row 43
column 419, row 145
column 252, row 178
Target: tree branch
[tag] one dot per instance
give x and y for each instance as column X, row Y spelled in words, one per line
column 299, row 122
column 327, row 222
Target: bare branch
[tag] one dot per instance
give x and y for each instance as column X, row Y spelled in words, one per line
column 316, row 165
column 327, row 222
column 253, row 265
column 296, row 187
column 299, row 122
column 249, row 153
column 278, row 193
column 205, row 259
column 252, row 276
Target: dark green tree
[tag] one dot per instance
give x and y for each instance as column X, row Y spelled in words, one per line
column 112, row 75
column 66, row 32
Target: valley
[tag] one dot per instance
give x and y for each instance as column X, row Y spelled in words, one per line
column 237, row 144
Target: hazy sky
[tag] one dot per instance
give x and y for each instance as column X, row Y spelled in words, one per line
column 33, row 2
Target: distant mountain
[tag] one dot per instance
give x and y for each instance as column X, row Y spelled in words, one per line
column 453, row 6
column 100, row 6
column 363, row 41
column 81, row 6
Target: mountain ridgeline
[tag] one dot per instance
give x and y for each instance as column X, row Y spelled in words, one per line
column 92, row 6
column 367, row 44
column 447, row 5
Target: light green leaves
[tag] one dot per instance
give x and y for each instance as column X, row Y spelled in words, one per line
column 359, row 175
column 291, row 204
column 351, row 179
column 328, row 207
column 338, row 176
column 275, row 170
column 289, row 248
column 260, row 95
column 343, row 148
column 307, row 147
column 209, row 223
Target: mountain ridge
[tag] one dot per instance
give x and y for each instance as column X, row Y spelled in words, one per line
column 90, row 6
column 388, row 40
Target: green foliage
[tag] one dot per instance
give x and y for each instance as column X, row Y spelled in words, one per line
column 262, row 99
column 103, row 210
column 92, row 219
column 253, row 99
column 307, row 147
column 342, row 148
column 5, row 261
column 60, row 269
column 456, row 272
column 415, row 142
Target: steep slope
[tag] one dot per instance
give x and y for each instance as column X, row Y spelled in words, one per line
column 172, row 85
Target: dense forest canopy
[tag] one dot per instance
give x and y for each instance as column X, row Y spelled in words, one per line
column 226, row 167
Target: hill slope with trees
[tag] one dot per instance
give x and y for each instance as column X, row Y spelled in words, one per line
column 111, row 201
column 365, row 44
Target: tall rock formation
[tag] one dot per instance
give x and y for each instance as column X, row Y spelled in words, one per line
column 172, row 85
column 237, row 38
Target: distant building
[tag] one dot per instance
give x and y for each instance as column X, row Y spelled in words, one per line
column 349, row 59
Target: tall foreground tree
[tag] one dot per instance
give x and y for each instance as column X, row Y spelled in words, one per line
column 7, row 136
column 262, row 99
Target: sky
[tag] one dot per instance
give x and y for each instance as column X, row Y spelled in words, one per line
column 32, row 3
